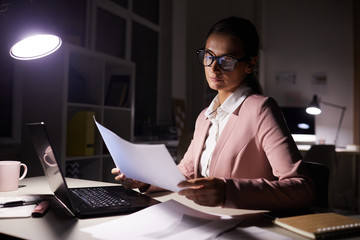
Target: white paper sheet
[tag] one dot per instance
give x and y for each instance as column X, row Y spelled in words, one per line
column 17, row 212
column 151, row 164
column 167, row 220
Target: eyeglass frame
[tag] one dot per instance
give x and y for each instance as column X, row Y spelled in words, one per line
column 214, row 57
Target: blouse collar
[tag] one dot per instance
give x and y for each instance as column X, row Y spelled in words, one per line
column 230, row 104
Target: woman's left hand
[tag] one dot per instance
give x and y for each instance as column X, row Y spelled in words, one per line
column 204, row 191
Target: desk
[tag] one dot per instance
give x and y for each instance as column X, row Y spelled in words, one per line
column 57, row 226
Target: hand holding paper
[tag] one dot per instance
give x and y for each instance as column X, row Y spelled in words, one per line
column 151, row 164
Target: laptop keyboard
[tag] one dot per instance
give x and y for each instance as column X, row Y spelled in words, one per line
column 99, row 197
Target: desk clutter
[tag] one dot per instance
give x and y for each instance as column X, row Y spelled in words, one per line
column 23, row 206
column 172, row 218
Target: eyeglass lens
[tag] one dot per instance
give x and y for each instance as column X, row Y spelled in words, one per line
column 226, row 63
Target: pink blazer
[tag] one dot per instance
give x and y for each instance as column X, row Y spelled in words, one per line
column 256, row 156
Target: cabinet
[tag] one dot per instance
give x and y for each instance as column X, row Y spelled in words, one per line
column 77, row 79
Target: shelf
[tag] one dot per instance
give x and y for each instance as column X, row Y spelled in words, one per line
column 81, row 80
column 83, row 105
column 85, row 158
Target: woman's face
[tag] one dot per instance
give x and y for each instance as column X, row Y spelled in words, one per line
column 225, row 82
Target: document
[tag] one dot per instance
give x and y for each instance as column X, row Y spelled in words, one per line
column 148, row 163
column 167, row 220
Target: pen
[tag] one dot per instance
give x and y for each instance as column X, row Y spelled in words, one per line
column 18, row 203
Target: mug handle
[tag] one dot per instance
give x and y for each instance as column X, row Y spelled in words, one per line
column 25, row 171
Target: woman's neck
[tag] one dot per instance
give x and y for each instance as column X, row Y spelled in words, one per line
column 222, row 96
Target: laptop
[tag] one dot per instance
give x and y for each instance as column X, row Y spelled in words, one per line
column 83, row 202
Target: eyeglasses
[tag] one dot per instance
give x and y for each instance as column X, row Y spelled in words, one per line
column 226, row 62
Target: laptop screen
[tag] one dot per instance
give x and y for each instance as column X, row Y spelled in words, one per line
column 48, row 161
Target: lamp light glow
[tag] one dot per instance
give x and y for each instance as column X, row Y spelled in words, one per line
column 35, row 47
column 314, row 109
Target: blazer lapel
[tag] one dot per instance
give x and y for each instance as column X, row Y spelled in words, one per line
column 200, row 144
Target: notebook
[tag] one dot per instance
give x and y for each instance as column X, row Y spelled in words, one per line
column 321, row 225
column 83, row 202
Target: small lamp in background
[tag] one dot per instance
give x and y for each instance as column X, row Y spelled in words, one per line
column 31, row 34
column 314, row 109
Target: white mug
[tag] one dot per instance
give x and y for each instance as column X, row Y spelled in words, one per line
column 9, row 175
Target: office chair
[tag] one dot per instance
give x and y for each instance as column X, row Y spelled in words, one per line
column 342, row 192
column 324, row 154
column 319, row 173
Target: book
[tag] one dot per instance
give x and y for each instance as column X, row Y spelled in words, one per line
column 321, row 225
column 118, row 91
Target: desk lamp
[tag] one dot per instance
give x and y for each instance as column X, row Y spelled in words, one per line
column 314, row 109
column 30, row 34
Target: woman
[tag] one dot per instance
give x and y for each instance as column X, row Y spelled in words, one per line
column 242, row 154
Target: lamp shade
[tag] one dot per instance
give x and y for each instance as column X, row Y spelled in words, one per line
column 35, row 46
column 31, row 34
column 314, row 107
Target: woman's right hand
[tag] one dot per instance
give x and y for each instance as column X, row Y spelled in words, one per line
column 128, row 183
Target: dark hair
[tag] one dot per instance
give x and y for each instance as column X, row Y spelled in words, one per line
column 245, row 31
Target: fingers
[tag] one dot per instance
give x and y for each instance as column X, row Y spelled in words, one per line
column 201, row 197
column 128, row 183
column 195, row 183
column 120, row 178
column 115, row 171
column 204, row 191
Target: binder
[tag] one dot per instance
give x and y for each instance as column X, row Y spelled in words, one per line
column 321, row 225
column 81, row 134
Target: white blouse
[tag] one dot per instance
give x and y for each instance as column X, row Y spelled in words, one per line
column 219, row 115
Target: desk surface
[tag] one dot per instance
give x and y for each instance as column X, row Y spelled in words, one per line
column 58, row 226
column 305, row 148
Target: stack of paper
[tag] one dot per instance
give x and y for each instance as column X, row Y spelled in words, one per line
column 168, row 220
